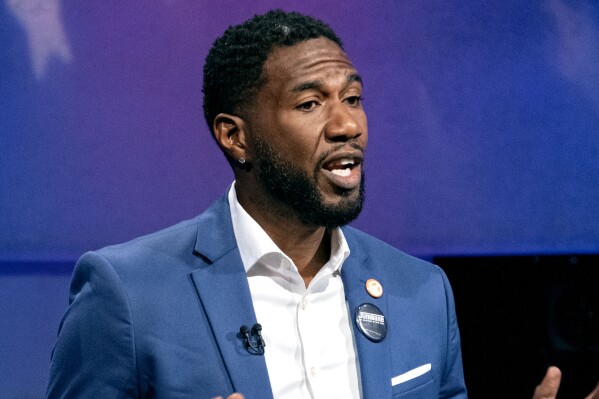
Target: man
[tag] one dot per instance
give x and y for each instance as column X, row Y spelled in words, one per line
column 343, row 315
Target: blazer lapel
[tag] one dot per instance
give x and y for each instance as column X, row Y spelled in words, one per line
column 374, row 357
column 222, row 287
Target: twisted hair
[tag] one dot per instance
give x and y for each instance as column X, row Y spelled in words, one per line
column 233, row 72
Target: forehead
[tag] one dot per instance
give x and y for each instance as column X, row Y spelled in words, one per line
column 315, row 58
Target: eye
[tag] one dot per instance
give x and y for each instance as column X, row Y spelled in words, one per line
column 307, row 106
column 354, row 101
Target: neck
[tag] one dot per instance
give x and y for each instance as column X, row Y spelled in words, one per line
column 309, row 247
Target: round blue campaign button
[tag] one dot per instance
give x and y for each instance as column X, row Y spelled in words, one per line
column 371, row 322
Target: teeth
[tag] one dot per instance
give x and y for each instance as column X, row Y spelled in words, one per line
column 341, row 167
column 341, row 172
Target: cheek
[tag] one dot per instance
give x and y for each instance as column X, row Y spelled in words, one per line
column 363, row 121
column 302, row 153
column 301, row 142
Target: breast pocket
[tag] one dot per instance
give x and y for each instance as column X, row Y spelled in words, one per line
column 416, row 383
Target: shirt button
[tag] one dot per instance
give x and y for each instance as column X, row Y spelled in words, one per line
column 314, row 371
column 304, row 303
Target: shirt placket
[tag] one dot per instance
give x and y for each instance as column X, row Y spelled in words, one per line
column 305, row 317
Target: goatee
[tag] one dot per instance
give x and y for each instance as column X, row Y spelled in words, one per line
column 290, row 185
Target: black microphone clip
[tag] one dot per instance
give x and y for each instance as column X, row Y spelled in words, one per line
column 254, row 345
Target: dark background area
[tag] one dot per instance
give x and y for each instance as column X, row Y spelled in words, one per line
column 519, row 315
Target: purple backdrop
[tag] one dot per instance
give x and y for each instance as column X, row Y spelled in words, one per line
column 484, row 122
column 483, row 117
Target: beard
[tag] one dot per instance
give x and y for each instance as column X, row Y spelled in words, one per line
column 290, row 185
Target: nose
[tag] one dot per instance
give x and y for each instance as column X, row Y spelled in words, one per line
column 345, row 123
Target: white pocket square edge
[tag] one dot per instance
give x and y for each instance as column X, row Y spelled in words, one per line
column 410, row 375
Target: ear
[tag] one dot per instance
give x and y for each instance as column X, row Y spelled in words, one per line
column 229, row 131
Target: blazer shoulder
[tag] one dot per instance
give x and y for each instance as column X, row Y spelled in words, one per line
column 165, row 239
column 176, row 247
column 155, row 254
column 376, row 248
column 389, row 261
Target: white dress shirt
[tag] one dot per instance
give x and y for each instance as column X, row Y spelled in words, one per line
column 310, row 351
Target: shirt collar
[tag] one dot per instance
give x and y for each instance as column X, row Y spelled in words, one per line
column 254, row 243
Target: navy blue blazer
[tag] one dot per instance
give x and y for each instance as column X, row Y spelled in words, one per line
column 159, row 317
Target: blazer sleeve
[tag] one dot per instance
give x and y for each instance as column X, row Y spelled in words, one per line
column 452, row 384
column 94, row 356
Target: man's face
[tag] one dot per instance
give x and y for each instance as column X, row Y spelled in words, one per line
column 308, row 133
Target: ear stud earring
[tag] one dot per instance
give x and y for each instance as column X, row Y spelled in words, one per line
column 241, row 160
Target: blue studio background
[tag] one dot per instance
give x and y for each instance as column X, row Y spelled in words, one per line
column 483, row 121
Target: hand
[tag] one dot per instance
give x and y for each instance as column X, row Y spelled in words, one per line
column 234, row 396
column 594, row 394
column 547, row 389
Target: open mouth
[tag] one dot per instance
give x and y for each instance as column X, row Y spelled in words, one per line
column 342, row 166
column 344, row 170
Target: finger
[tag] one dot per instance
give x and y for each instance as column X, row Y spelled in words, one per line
column 236, row 396
column 548, row 388
column 594, row 394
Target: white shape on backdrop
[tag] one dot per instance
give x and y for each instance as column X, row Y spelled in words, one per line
column 576, row 46
column 46, row 37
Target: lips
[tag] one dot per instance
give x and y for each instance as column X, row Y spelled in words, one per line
column 344, row 169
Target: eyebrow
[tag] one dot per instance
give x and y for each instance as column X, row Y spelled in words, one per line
column 316, row 84
column 354, row 77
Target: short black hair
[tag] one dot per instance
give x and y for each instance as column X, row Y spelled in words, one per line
column 233, row 72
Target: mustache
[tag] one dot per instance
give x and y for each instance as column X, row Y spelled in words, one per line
column 336, row 148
